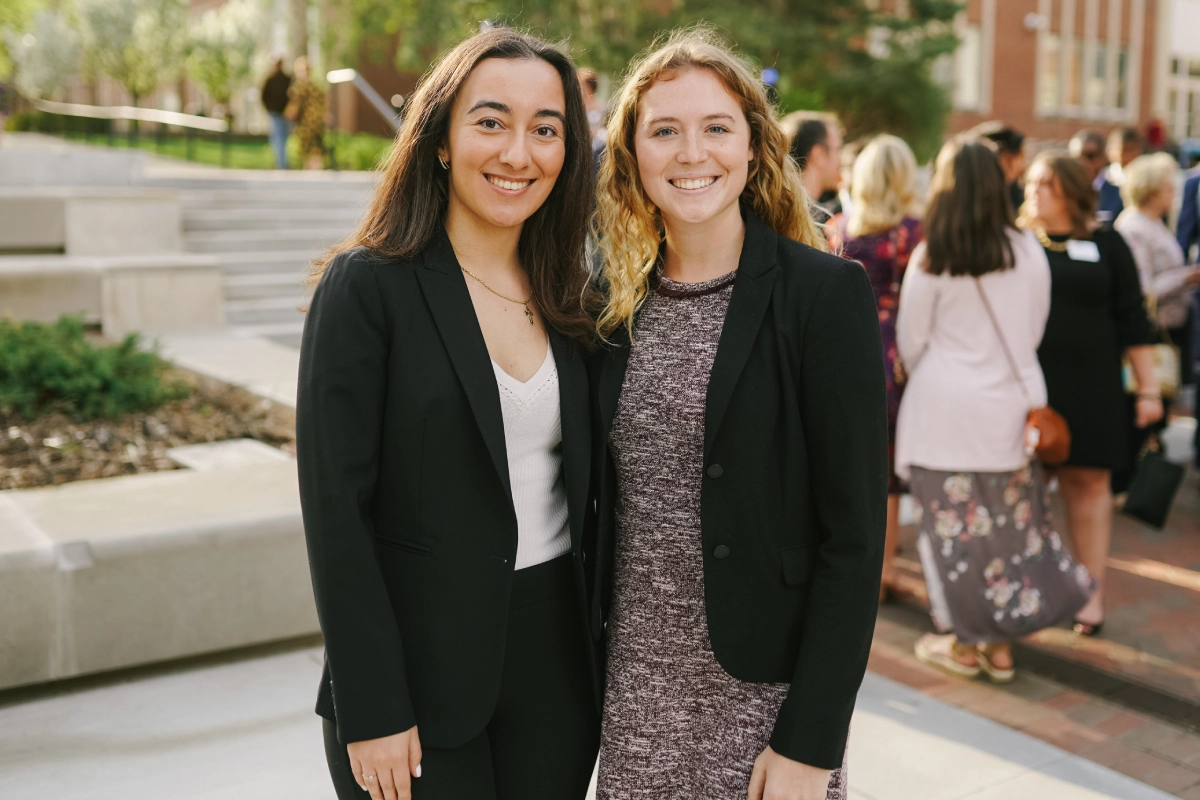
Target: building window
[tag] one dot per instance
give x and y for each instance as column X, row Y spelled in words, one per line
column 1051, row 62
column 968, row 78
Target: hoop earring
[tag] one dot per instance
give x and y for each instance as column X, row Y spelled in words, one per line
column 445, row 164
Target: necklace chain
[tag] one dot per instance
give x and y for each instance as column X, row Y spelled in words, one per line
column 1048, row 243
column 483, row 283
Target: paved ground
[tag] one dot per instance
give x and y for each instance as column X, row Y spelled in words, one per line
column 1153, row 598
column 244, row 728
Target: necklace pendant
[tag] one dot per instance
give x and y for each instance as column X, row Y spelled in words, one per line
column 529, row 314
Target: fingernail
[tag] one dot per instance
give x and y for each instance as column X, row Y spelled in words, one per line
column 418, row 772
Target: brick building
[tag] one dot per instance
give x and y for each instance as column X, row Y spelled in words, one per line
column 1052, row 67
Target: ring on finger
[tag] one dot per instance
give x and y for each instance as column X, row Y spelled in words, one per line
column 368, row 777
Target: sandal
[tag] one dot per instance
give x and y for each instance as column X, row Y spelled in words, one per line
column 989, row 668
column 1087, row 628
column 943, row 652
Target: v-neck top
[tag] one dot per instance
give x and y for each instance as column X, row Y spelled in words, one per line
column 533, row 440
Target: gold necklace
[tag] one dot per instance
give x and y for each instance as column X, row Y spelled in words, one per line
column 1048, row 243
column 528, row 313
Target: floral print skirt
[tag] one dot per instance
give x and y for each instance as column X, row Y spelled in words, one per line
column 995, row 567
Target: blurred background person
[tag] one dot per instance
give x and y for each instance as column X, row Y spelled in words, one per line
column 1010, row 147
column 1149, row 194
column 817, row 147
column 850, row 152
column 1087, row 147
column 275, row 101
column 881, row 233
column 1097, row 315
column 972, row 311
column 589, row 83
column 1124, row 145
column 1187, row 229
column 306, row 109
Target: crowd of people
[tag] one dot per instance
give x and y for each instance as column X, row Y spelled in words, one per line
column 1018, row 286
column 648, row 510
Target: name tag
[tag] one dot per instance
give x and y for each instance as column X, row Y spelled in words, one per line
column 1081, row 250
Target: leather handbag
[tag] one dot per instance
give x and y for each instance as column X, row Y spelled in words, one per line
column 1155, row 483
column 1047, row 435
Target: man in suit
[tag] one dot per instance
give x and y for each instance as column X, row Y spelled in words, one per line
column 1124, row 145
column 1188, row 230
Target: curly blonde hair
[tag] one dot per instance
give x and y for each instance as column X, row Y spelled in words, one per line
column 630, row 227
column 883, row 187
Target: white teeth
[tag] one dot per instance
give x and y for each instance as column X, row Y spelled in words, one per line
column 693, row 183
column 510, row 185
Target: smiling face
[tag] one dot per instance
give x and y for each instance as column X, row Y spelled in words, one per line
column 692, row 143
column 506, row 142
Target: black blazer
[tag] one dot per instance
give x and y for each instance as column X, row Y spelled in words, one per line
column 404, row 486
column 794, row 496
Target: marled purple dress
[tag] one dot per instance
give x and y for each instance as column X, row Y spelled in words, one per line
column 676, row 725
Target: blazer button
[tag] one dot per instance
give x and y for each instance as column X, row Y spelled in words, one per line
column 715, row 471
column 720, row 551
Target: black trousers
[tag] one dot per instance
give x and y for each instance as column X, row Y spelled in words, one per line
column 542, row 739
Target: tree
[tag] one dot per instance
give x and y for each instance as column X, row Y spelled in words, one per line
column 15, row 15
column 222, row 46
column 140, row 44
column 873, row 68
column 45, row 56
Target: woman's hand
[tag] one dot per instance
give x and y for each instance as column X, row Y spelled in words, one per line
column 383, row 766
column 778, row 778
column 1149, row 410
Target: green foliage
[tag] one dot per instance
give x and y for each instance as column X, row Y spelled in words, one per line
column 138, row 43
column 46, row 54
column 871, row 68
column 53, row 367
column 15, row 15
column 222, row 46
column 361, row 151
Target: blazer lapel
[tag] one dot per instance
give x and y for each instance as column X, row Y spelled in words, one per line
column 449, row 301
column 614, row 360
column 576, row 430
column 757, row 269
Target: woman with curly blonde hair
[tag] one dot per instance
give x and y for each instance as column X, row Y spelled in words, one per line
column 881, row 231
column 743, row 481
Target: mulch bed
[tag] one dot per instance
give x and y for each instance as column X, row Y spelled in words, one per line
column 54, row 449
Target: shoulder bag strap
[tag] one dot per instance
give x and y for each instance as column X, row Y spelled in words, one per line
column 1012, row 364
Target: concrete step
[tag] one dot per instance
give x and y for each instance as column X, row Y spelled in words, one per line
column 254, row 286
column 312, row 240
column 264, row 310
column 256, row 262
column 268, row 218
column 259, row 181
column 282, row 198
column 285, row 333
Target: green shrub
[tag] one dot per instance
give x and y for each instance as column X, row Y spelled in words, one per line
column 53, row 367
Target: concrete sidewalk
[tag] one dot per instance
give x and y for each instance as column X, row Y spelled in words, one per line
column 245, row 729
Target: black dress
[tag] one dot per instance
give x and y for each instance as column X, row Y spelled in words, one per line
column 1096, row 312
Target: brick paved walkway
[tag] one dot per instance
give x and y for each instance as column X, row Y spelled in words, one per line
column 1162, row 755
column 1151, row 635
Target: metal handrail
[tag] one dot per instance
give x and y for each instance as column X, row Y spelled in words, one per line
column 368, row 91
column 134, row 113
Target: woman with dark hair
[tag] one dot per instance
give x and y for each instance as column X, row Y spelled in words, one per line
column 1097, row 314
column 443, row 445
column 972, row 309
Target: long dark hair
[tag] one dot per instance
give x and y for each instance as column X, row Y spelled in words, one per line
column 969, row 212
column 410, row 201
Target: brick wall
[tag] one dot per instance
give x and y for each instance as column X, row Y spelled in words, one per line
column 1014, row 70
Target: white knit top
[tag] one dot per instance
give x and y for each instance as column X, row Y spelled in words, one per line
column 533, row 435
